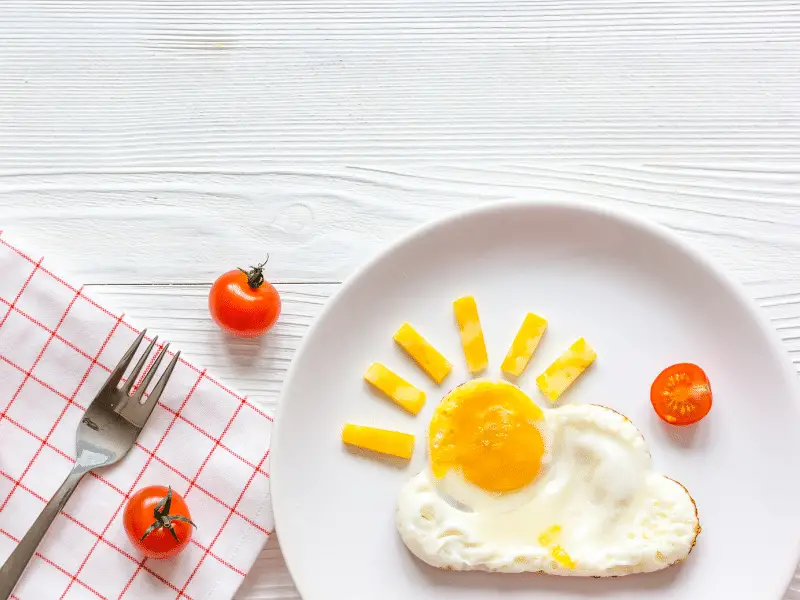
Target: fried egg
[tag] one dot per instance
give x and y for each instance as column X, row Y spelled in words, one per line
column 567, row 491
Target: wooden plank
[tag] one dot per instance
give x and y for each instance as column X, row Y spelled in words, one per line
column 269, row 579
column 198, row 83
column 319, row 224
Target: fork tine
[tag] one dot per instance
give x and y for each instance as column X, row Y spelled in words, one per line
column 151, row 372
column 138, row 367
column 116, row 374
column 137, row 413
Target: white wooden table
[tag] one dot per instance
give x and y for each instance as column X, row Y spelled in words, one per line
column 150, row 145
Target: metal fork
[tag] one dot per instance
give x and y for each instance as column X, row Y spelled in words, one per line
column 107, row 431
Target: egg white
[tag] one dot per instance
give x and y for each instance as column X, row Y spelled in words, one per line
column 615, row 515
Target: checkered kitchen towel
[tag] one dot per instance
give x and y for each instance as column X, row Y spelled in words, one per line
column 210, row 444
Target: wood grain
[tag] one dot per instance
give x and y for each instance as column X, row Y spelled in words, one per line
column 319, row 224
column 159, row 83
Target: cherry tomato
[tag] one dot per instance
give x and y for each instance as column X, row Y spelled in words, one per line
column 681, row 394
column 157, row 521
column 243, row 303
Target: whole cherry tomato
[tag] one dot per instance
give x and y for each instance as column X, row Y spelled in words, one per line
column 158, row 522
column 681, row 394
column 243, row 303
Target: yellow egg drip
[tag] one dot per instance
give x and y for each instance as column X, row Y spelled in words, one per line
column 489, row 432
column 549, row 535
column 548, row 539
column 561, row 557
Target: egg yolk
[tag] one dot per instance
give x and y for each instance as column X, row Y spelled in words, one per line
column 489, row 433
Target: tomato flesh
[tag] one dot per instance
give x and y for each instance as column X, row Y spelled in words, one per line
column 240, row 309
column 138, row 516
column 681, row 394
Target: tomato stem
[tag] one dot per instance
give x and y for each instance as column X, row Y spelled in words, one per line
column 163, row 519
column 255, row 276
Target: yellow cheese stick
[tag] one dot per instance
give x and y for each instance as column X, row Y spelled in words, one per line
column 524, row 345
column 565, row 369
column 395, row 387
column 469, row 325
column 384, row 441
column 426, row 356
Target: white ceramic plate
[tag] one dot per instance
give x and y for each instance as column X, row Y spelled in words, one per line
column 644, row 300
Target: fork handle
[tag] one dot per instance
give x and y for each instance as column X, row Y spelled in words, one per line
column 12, row 569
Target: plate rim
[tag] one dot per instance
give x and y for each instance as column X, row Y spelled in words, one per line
column 628, row 218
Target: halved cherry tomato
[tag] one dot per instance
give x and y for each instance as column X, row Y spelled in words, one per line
column 681, row 394
column 243, row 303
column 157, row 521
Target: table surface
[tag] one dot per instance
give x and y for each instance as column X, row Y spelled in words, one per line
column 149, row 145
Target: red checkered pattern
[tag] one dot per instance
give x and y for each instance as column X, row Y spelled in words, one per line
column 210, row 444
